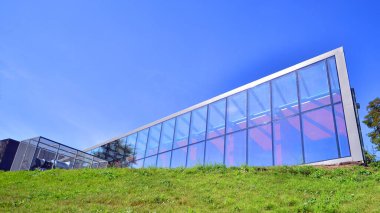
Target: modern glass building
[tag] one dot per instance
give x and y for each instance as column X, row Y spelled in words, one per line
column 304, row 114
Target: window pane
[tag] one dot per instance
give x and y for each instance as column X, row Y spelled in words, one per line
column 287, row 141
column 164, row 160
column 284, row 95
column 182, row 130
column 319, row 135
column 150, row 161
column 142, row 138
column 179, row 157
column 216, row 119
column 237, row 112
column 198, row 125
column 259, row 104
column 138, row 164
column 342, row 131
column 196, row 153
column 236, row 148
column 335, row 89
column 131, row 141
column 260, row 146
column 314, row 86
column 167, row 135
column 153, row 140
column 215, row 151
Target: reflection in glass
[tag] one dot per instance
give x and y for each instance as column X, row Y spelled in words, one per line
column 260, row 146
column 334, row 82
column 131, row 141
column 214, row 151
column 237, row 112
column 142, row 138
column 259, row 104
column 179, row 157
column 216, row 119
column 167, row 135
column 284, row 96
column 196, row 154
column 182, row 130
column 236, row 147
column 319, row 135
column 198, row 125
column 164, row 160
column 314, row 86
column 287, row 141
column 153, row 140
column 342, row 131
column 138, row 164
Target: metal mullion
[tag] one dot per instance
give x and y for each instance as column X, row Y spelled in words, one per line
column 159, row 142
column 300, row 116
column 146, row 146
column 272, row 120
column 225, row 130
column 246, row 126
column 205, row 140
column 333, row 108
column 188, row 136
column 173, row 139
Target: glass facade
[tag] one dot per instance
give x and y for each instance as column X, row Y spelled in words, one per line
column 296, row 118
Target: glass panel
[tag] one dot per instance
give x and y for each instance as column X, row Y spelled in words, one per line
column 138, row 164
column 319, row 135
column 179, row 157
column 259, row 104
column 334, row 82
column 196, row 154
column 236, row 148
column 198, row 125
column 314, row 86
column 216, row 119
column 131, row 141
column 164, row 160
column 182, row 130
column 142, row 138
column 214, row 151
column 342, row 131
column 150, row 161
column 260, row 146
column 284, row 95
column 237, row 112
column 153, row 140
column 167, row 135
column 287, row 141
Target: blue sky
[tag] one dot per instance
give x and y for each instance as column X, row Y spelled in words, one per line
column 81, row 72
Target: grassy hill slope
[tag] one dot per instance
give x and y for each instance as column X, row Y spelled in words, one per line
column 201, row 189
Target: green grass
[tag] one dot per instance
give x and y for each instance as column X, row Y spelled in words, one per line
column 200, row 189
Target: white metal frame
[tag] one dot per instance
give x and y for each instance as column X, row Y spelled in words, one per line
column 347, row 101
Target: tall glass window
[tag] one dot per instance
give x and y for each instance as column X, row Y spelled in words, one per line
column 216, row 119
column 314, row 86
column 167, row 135
column 259, row 104
column 284, row 96
column 342, row 131
column 319, row 135
column 131, row 141
column 196, row 154
column 182, row 130
column 198, row 125
column 179, row 157
column 163, row 160
column 260, row 146
column 287, row 141
column 153, row 140
column 236, row 148
column 237, row 112
column 334, row 82
column 142, row 138
column 215, row 151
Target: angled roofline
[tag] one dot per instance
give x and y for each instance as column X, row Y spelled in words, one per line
column 285, row 71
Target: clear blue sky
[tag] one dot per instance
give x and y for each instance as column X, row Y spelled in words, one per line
column 81, row 72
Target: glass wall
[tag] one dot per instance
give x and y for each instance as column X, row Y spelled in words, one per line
column 294, row 119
